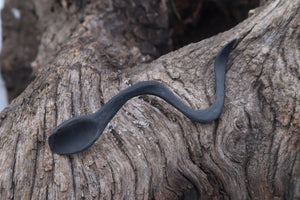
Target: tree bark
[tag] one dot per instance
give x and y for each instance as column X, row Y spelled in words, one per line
column 150, row 150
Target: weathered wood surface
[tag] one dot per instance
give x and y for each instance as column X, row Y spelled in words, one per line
column 150, row 150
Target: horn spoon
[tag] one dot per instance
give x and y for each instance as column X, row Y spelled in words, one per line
column 79, row 133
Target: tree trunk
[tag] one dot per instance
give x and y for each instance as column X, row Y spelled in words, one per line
column 150, row 150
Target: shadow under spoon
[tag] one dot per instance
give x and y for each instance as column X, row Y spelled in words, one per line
column 79, row 133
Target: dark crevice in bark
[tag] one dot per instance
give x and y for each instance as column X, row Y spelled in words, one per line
column 275, row 167
column 81, row 106
column 185, row 141
column 293, row 111
column 165, row 165
column 258, row 83
column 289, row 193
column 199, row 142
column 208, row 97
column 72, row 109
column 292, row 189
column 281, row 51
column 71, row 160
column 150, row 189
column 249, row 154
column 215, row 131
column 273, row 158
column 95, row 170
column 192, row 191
column 273, row 164
column 96, row 156
column 216, row 183
column 47, row 192
column 101, row 98
column 38, row 146
column 130, row 114
column 123, row 148
column 244, row 35
column 44, row 126
column 118, row 139
column 207, row 172
column 163, row 155
column 113, row 175
column 13, row 185
column 247, row 175
column 84, row 188
column 55, row 103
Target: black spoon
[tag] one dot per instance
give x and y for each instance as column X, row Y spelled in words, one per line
column 79, row 133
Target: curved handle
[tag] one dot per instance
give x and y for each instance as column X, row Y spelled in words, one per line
column 107, row 112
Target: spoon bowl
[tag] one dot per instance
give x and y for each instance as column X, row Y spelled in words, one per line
column 78, row 133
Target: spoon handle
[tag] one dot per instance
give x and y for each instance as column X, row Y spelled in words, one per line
column 107, row 112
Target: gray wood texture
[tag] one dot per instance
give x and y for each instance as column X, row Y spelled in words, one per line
column 150, row 150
